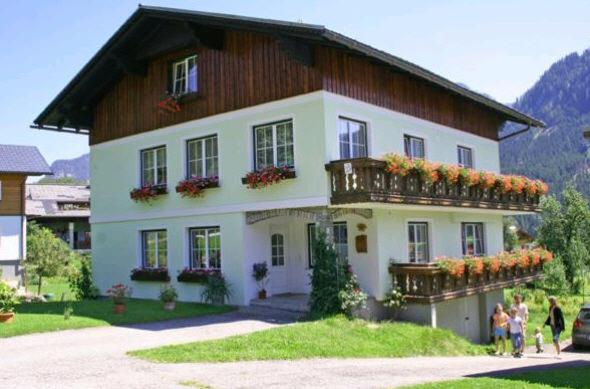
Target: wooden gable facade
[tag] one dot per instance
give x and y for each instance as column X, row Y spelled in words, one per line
column 253, row 68
column 12, row 192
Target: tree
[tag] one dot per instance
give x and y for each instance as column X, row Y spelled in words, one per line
column 47, row 255
column 328, row 278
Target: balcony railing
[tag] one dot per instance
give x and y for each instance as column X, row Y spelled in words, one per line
column 427, row 283
column 367, row 180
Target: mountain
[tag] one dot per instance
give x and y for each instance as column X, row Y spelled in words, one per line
column 78, row 169
column 559, row 153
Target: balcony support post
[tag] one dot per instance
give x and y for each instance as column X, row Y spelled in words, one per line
column 433, row 321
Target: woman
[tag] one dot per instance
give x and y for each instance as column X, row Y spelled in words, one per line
column 556, row 321
column 500, row 325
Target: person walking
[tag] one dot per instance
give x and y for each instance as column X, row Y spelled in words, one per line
column 523, row 313
column 516, row 326
column 500, row 325
column 556, row 321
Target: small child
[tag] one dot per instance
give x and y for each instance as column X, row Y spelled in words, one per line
column 539, row 340
column 516, row 332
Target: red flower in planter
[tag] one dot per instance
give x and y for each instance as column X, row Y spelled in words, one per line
column 487, row 179
column 492, row 264
column 194, row 186
column 398, row 164
column 517, row 183
column 475, row 265
column 269, row 175
column 524, row 261
column 453, row 267
column 147, row 193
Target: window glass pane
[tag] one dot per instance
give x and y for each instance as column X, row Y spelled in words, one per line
column 277, row 250
column 358, row 139
column 160, row 166
column 285, row 155
column 343, row 139
column 341, row 240
column 192, row 75
column 198, row 247
column 148, row 166
column 418, row 250
column 179, row 77
column 162, row 249
column 465, row 157
column 264, row 147
column 414, row 147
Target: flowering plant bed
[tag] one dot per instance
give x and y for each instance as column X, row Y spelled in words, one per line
column 198, row 276
column 258, row 179
column 432, row 173
column 147, row 193
column 453, row 267
column 492, row 264
column 475, row 266
column 150, row 274
column 193, row 187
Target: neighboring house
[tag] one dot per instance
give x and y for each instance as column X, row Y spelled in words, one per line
column 64, row 209
column 253, row 93
column 16, row 164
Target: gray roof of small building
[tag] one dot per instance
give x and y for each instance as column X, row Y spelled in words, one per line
column 42, row 200
column 23, row 160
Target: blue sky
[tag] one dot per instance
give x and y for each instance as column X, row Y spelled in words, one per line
column 497, row 47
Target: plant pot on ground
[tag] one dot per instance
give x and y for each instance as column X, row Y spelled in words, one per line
column 168, row 296
column 260, row 275
column 119, row 309
column 7, row 302
column 119, row 293
column 216, row 291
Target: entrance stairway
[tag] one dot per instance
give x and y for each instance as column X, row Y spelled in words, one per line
column 288, row 305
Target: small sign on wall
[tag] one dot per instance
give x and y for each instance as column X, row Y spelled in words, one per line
column 348, row 168
column 360, row 243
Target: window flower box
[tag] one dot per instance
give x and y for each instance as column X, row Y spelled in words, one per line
column 259, row 179
column 196, row 276
column 150, row 274
column 147, row 193
column 193, row 187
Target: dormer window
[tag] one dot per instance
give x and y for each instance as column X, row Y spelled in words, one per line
column 184, row 76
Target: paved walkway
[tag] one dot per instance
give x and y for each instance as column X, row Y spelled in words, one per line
column 95, row 358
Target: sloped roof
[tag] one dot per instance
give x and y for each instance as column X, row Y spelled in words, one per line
column 73, row 105
column 22, row 160
column 43, row 200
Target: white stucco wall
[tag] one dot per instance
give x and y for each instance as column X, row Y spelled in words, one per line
column 11, row 238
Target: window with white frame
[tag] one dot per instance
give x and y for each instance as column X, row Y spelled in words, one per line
column 205, row 248
column 473, row 239
column 202, row 157
column 352, row 138
column 339, row 236
column 184, row 76
column 414, row 147
column 277, row 243
column 465, row 157
column 418, row 242
column 153, row 166
column 154, row 249
column 273, row 145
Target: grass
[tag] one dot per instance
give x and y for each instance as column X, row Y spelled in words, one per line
column 573, row 377
column 335, row 337
column 46, row 317
column 58, row 286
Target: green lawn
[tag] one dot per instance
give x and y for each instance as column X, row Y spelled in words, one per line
column 45, row 317
column 57, row 285
column 574, row 377
column 335, row 337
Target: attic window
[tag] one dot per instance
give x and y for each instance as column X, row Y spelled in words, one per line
column 184, row 76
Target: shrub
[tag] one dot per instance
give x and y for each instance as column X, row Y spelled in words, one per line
column 80, row 280
column 351, row 296
column 328, row 278
column 168, row 294
column 7, row 298
column 217, row 290
column 555, row 281
column 395, row 298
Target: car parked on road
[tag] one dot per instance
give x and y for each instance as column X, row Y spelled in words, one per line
column 581, row 330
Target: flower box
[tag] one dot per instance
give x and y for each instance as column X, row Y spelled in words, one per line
column 147, row 193
column 193, row 187
column 148, row 274
column 258, row 179
column 197, row 276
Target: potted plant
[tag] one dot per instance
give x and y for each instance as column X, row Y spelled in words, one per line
column 119, row 294
column 168, row 296
column 7, row 302
column 260, row 274
column 216, row 291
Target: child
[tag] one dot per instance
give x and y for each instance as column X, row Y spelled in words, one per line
column 500, row 323
column 516, row 326
column 539, row 340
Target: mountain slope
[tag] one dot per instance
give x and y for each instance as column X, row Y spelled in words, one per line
column 76, row 168
column 557, row 154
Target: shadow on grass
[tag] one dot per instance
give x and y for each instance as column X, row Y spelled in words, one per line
column 569, row 374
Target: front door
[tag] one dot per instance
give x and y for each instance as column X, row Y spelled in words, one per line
column 278, row 261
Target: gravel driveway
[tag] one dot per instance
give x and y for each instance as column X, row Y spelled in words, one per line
column 95, row 358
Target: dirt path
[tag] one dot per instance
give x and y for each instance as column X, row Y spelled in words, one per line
column 95, row 358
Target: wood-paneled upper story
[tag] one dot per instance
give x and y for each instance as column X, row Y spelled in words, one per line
column 243, row 62
column 12, row 194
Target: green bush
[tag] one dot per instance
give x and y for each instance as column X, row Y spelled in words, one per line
column 555, row 281
column 7, row 298
column 80, row 280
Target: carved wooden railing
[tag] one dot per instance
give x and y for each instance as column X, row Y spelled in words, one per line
column 367, row 180
column 427, row 283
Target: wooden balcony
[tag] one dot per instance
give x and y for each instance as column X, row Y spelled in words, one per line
column 426, row 283
column 366, row 180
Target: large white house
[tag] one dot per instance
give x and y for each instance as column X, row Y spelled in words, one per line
column 250, row 93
